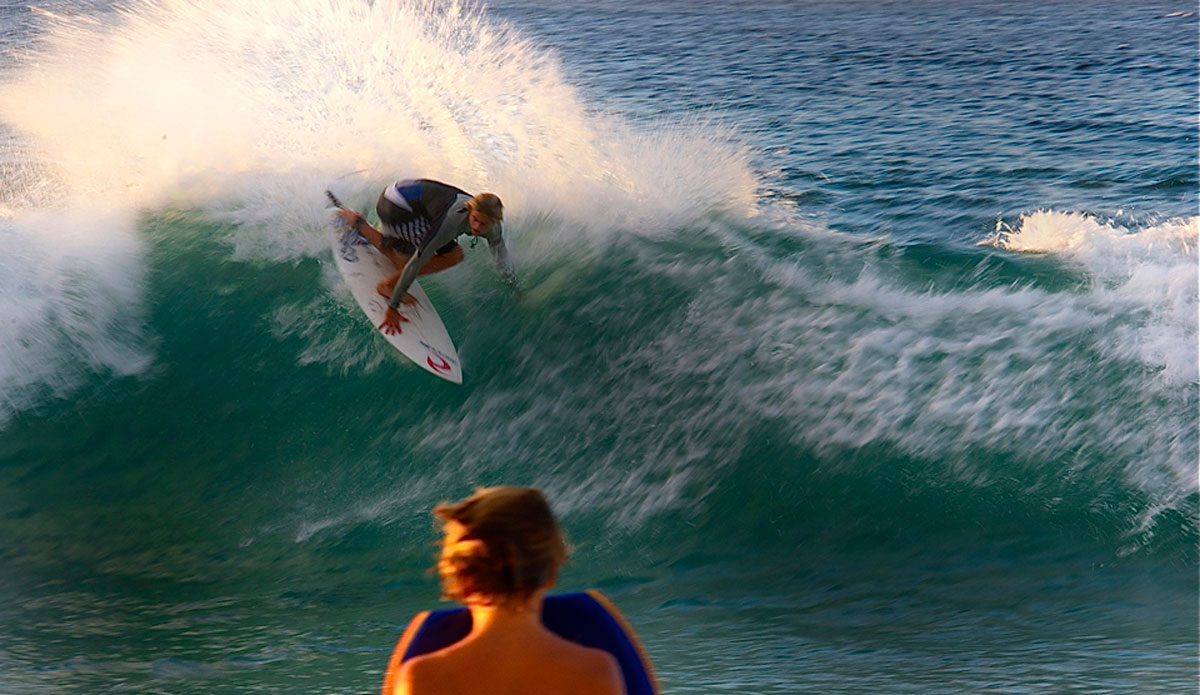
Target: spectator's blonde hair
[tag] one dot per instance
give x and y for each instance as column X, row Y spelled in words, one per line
column 510, row 546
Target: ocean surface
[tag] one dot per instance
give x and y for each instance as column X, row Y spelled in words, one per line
column 857, row 351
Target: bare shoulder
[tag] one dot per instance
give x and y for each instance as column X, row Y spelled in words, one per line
column 548, row 665
column 423, row 675
column 605, row 673
column 595, row 671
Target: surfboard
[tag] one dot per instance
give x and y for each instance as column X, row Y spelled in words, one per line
column 586, row 618
column 423, row 338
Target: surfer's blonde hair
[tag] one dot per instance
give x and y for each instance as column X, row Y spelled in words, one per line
column 508, row 546
column 487, row 204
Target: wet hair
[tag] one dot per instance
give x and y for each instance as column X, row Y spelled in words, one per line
column 510, row 547
column 487, row 204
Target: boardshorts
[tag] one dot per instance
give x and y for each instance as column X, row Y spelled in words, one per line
column 402, row 231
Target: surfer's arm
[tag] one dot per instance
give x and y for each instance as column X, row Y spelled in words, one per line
column 500, row 257
column 358, row 223
column 447, row 231
column 409, row 274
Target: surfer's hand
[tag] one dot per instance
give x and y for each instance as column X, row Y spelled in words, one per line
column 408, row 299
column 391, row 322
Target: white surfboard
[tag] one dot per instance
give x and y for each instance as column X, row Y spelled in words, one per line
column 423, row 338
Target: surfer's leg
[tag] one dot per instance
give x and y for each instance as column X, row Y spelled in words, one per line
column 384, row 287
column 443, row 260
column 449, row 255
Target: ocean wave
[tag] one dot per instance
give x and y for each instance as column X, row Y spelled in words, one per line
column 71, row 283
column 1150, row 271
column 246, row 113
column 694, row 350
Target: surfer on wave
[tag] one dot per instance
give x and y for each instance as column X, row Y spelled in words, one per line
column 420, row 222
column 500, row 554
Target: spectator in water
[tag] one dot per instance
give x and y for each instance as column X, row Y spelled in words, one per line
column 500, row 554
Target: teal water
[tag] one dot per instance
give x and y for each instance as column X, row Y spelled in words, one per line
column 858, row 351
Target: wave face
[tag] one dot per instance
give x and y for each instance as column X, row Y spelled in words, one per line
column 800, row 361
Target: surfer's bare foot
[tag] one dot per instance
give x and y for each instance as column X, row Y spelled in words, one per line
column 386, row 285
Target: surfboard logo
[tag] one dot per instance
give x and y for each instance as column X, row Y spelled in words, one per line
column 441, row 366
column 436, row 354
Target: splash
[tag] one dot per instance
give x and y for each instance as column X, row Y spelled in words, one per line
column 263, row 104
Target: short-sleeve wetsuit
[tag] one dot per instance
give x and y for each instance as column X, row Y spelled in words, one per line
column 421, row 218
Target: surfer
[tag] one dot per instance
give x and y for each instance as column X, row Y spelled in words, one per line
column 500, row 554
column 420, row 222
